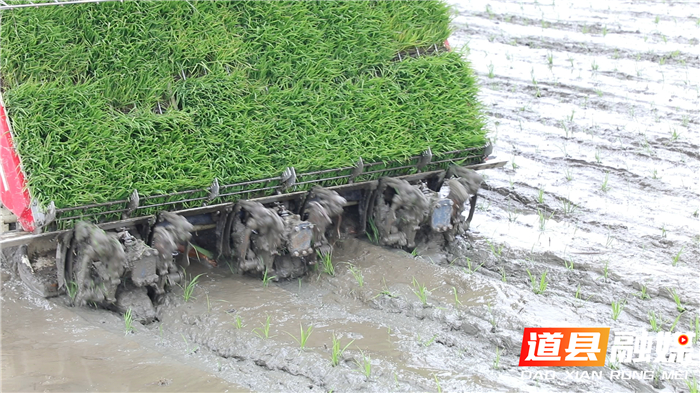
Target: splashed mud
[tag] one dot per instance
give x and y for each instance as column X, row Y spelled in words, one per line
column 595, row 104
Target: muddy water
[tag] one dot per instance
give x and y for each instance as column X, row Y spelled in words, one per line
column 576, row 93
column 47, row 347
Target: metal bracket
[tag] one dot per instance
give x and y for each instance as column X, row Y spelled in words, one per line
column 357, row 171
column 425, row 159
column 213, row 190
column 288, row 178
column 132, row 205
column 42, row 216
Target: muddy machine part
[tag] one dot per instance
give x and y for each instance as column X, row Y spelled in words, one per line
column 118, row 270
column 402, row 210
column 283, row 239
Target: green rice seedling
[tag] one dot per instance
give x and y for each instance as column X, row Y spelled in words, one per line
column 357, row 274
column 568, row 207
column 337, row 351
column 571, row 61
column 538, row 287
column 656, row 19
column 679, row 306
column 613, row 365
column 492, row 317
column 605, row 187
column 469, row 269
column 617, row 307
column 512, row 214
column 503, row 274
column 72, row 289
column 303, row 336
column 189, row 350
column 663, row 230
column 567, row 175
column 128, row 322
column 677, row 257
column 491, row 74
column 578, row 294
column 427, row 342
column 606, row 271
column 421, row 291
column 188, row 287
column 696, row 328
column 656, row 322
column 674, row 135
column 675, row 322
column 267, row 278
column 238, row 322
column 550, row 58
column 327, row 263
column 183, row 88
column 208, row 304
column 385, row 290
column 540, row 196
column 594, row 66
column 605, row 30
column 437, row 382
column 543, row 219
column 569, row 263
column 365, row 365
column 264, row 330
column 692, row 384
column 497, row 360
column 513, row 164
column 373, row 233
column 457, row 301
column 643, row 295
column 585, row 29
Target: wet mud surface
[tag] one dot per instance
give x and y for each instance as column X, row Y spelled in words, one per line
column 594, row 103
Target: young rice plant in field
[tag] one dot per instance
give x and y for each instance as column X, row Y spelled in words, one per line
column 303, row 336
column 617, row 307
column 264, row 330
column 538, row 287
column 188, row 287
column 337, row 351
column 679, row 306
column 128, row 322
column 327, row 263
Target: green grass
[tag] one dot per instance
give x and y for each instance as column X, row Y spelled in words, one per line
column 679, row 306
column 72, row 289
column 366, row 365
column 264, row 330
column 457, row 301
column 303, row 336
column 469, row 269
column 166, row 96
column 267, row 278
column 327, row 263
column 357, row 274
column 337, row 351
column 677, row 257
column 656, row 322
column 643, row 295
column 188, row 287
column 538, row 287
column 617, row 307
column 421, row 291
column 128, row 322
column 497, row 360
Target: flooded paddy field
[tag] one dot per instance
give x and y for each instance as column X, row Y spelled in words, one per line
column 595, row 105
